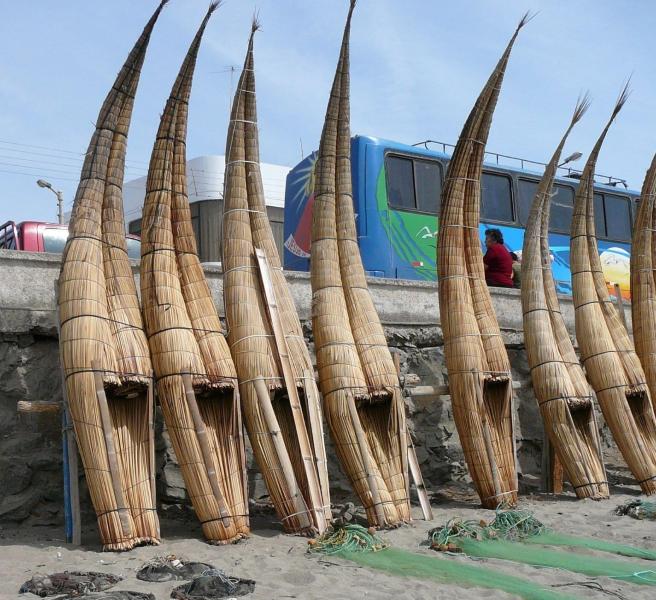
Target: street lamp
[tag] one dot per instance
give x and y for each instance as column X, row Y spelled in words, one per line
column 571, row 158
column 60, row 198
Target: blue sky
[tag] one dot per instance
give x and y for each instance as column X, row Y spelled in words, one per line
column 417, row 67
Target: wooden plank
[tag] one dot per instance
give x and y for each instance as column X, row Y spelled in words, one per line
column 239, row 429
column 294, row 401
column 204, row 443
column 38, row 406
column 417, row 477
column 557, row 475
column 620, row 305
column 70, row 457
column 316, row 426
column 366, row 463
column 552, row 469
column 112, row 457
column 286, row 464
column 487, row 440
column 150, row 395
column 440, row 390
column 73, row 475
column 404, row 434
column 413, row 463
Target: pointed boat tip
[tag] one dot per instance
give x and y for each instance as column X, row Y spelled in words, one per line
column 623, row 97
column 526, row 18
column 256, row 24
column 213, row 6
column 582, row 105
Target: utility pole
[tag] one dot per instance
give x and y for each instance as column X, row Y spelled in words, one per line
column 60, row 198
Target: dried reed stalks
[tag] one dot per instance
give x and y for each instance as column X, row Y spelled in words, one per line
column 562, row 392
column 479, row 371
column 281, row 403
column 607, row 353
column 103, row 348
column 196, row 378
column 362, row 400
column 643, row 283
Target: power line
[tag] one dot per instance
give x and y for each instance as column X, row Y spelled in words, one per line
column 79, row 157
column 37, row 174
column 60, row 150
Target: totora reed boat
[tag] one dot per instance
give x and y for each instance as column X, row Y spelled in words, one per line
column 477, row 362
column 607, row 352
column 195, row 375
column 282, row 410
column 104, row 352
column 643, row 282
column 362, row 399
column 562, row 392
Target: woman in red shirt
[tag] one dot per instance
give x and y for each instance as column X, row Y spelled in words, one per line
column 497, row 260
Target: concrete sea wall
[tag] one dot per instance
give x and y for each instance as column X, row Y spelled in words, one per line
column 30, row 444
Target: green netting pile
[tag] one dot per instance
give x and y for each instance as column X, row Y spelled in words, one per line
column 638, row 509
column 518, row 536
column 348, row 538
column 523, row 526
column 355, row 543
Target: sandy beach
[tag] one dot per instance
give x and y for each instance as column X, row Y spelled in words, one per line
column 282, row 568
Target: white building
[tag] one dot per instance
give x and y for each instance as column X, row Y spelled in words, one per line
column 205, row 184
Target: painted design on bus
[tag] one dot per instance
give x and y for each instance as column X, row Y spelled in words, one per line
column 402, row 244
column 299, row 205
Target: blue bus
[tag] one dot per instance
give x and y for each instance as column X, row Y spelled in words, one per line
column 396, row 192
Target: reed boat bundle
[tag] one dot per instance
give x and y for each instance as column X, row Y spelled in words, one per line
column 362, row 398
column 104, row 352
column 562, row 392
column 643, row 283
column 281, row 403
column 195, row 375
column 476, row 359
column 607, row 353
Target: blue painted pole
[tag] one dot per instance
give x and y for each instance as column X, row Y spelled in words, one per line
column 68, row 512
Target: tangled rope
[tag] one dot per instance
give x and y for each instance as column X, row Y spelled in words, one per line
column 347, row 538
column 638, row 509
column 509, row 524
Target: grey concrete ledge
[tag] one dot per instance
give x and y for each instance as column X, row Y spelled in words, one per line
column 27, row 296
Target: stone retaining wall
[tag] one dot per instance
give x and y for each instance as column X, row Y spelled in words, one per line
column 30, row 444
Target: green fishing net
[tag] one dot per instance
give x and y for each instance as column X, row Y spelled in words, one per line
column 355, row 543
column 523, row 526
column 539, row 556
column 551, row 538
column 499, row 538
column 455, row 572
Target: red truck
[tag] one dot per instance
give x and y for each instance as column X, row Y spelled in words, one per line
column 36, row 236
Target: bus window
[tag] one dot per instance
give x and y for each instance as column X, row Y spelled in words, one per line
column 600, row 219
column 428, row 178
column 54, row 239
column 413, row 184
column 527, row 189
column 134, row 248
column 134, row 227
column 8, row 234
column 496, row 198
column 618, row 217
column 400, row 183
column 562, row 209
